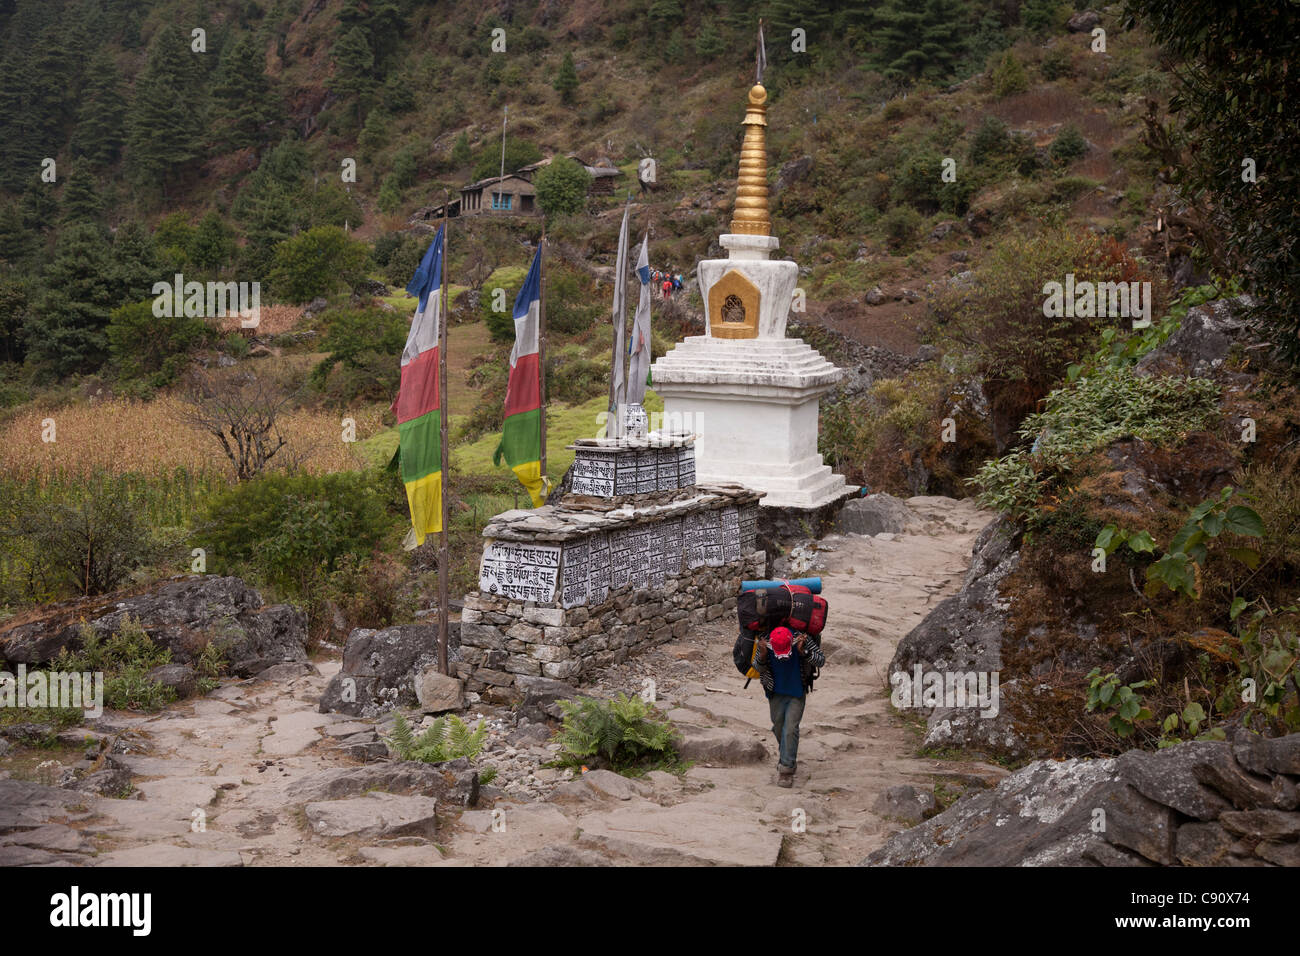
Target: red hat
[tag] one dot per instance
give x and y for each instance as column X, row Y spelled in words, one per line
column 782, row 642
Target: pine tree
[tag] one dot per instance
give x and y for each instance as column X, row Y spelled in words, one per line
column 14, row 299
column 943, row 37
column 163, row 122
column 17, row 242
column 460, row 152
column 1009, row 76
column 21, row 147
column 380, row 21
column 213, row 244
column 81, row 201
column 708, row 44
column 101, row 113
column 66, row 334
column 675, row 48
column 135, row 262
column 51, row 66
column 915, row 40
column 566, row 81
column 39, row 205
column 353, row 66
column 243, row 101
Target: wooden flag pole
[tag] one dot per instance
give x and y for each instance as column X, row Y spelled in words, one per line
column 444, row 560
column 541, row 364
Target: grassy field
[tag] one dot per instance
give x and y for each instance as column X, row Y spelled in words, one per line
column 564, row 425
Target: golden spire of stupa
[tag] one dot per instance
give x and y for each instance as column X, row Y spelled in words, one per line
column 750, row 216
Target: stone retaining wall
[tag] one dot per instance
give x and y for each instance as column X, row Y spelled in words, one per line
column 501, row 638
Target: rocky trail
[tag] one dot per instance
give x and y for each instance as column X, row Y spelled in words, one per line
column 252, row 774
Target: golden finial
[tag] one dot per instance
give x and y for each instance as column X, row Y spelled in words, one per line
column 750, row 215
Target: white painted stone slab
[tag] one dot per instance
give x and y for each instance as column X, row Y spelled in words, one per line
column 524, row 572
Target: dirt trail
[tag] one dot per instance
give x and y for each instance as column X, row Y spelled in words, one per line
column 213, row 784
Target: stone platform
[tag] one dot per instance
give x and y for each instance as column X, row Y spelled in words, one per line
column 754, row 404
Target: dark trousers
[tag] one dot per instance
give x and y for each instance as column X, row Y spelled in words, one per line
column 786, row 713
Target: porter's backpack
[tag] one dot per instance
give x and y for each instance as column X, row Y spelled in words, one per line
column 762, row 609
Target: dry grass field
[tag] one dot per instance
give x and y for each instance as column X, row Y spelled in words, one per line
column 123, row 436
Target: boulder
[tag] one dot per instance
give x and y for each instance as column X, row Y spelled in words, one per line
column 1192, row 803
column 179, row 677
column 1083, row 21
column 371, row 287
column 560, row 854
column 451, row 782
column 596, row 785
column 374, row 815
column 1202, row 342
column 364, row 746
column 876, row 514
column 906, row 804
column 686, row 834
column 529, row 735
column 963, row 635
column 111, row 779
column 438, row 692
column 796, row 170
column 380, row 668
column 181, row 614
column 542, row 696
column 719, row 746
column 876, row 297
column 24, row 805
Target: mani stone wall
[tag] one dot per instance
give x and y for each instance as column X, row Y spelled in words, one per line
column 568, row 589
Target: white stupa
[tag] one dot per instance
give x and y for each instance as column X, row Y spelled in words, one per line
column 748, row 392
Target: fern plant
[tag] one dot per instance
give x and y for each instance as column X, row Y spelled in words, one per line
column 624, row 731
column 446, row 739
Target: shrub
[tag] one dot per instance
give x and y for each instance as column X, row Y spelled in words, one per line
column 371, row 591
column 1069, row 145
column 88, row 541
column 1087, row 415
column 900, row 225
column 1057, row 64
column 624, row 731
column 315, row 262
column 153, row 349
column 294, row 529
column 990, row 141
column 1018, row 352
column 571, row 305
column 125, row 657
column 364, row 342
column 573, row 378
column 404, row 258
column 562, row 187
column 1009, row 76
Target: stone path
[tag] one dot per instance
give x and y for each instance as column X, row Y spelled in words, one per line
column 253, row 775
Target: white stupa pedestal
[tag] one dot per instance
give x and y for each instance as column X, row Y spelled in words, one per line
column 750, row 394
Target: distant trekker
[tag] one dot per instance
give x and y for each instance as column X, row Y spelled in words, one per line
column 786, row 664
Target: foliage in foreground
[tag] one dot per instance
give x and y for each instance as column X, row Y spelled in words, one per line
column 125, row 657
column 1087, row 415
column 447, row 738
column 625, row 732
